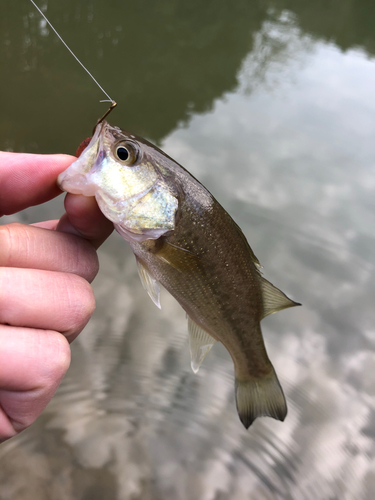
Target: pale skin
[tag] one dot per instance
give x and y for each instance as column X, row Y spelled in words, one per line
column 45, row 294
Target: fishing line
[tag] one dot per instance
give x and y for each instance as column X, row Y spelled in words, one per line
column 75, row 57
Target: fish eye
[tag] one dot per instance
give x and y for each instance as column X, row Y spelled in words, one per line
column 126, row 152
column 122, row 153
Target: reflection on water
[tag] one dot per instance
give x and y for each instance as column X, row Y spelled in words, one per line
column 286, row 144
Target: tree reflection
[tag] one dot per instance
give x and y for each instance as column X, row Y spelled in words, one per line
column 162, row 61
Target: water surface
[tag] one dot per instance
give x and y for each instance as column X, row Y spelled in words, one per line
column 272, row 107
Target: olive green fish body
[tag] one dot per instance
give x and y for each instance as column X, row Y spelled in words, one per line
column 185, row 240
column 206, row 265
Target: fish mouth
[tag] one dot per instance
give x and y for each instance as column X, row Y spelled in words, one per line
column 74, row 178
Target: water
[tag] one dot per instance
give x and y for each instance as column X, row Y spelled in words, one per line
column 272, row 107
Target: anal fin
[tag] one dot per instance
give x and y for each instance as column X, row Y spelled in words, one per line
column 274, row 299
column 200, row 344
column 149, row 283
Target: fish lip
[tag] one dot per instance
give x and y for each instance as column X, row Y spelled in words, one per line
column 98, row 138
column 79, row 184
column 72, row 174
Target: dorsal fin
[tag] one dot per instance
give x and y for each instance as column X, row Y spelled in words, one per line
column 253, row 257
column 274, row 299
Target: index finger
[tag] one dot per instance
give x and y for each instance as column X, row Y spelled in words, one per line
column 28, row 179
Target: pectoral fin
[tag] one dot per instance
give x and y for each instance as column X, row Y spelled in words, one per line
column 149, row 284
column 180, row 258
column 274, row 299
column 200, row 344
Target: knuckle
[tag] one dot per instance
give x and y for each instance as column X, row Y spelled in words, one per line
column 87, row 261
column 60, row 358
column 94, row 269
column 6, row 239
column 5, row 285
column 54, row 349
column 11, row 236
column 81, row 305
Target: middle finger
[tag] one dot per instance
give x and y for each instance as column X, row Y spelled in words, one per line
column 38, row 248
column 47, row 300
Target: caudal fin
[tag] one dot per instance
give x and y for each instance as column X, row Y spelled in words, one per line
column 258, row 397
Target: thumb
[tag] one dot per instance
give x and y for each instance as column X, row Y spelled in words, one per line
column 84, row 218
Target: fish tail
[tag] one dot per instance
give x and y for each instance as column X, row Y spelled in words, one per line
column 257, row 397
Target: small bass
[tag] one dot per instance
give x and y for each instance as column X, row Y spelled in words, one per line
column 183, row 239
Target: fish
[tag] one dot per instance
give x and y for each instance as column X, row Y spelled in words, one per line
column 184, row 240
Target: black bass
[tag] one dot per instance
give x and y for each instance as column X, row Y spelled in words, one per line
column 185, row 240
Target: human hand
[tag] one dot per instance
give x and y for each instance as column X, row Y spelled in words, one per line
column 45, row 295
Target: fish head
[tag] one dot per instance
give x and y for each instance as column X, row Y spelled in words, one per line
column 128, row 180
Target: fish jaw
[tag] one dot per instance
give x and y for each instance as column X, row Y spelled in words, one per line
column 75, row 178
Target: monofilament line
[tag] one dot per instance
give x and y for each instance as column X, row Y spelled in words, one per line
column 73, row 54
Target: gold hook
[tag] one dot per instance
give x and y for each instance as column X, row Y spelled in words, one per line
column 113, row 105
